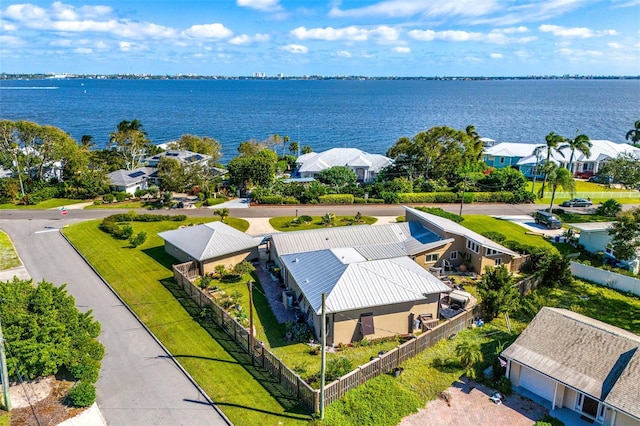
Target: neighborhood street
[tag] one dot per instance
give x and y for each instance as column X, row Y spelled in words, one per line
column 139, row 383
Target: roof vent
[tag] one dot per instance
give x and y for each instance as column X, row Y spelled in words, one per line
column 296, row 260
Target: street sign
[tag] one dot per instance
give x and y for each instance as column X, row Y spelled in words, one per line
column 63, row 211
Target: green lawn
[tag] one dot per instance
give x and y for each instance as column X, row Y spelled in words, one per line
column 595, row 191
column 129, row 205
column 8, row 256
column 47, row 204
column 287, row 223
column 512, row 231
column 142, row 277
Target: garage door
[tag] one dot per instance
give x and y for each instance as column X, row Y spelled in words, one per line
column 537, row 383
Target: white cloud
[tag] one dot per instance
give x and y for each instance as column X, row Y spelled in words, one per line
column 402, row 49
column 262, row 5
column 352, row 33
column 494, row 37
column 101, row 45
column 125, row 46
column 295, row 48
column 578, row 53
column 406, row 8
column 11, row 41
column 513, row 30
column 62, row 42
column 247, row 39
column 614, row 45
column 83, row 50
column 496, row 55
column 579, row 32
column 217, row 31
column 343, row 54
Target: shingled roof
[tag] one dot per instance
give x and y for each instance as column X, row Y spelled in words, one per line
column 591, row 356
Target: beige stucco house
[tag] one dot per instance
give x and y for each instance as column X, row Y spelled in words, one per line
column 579, row 364
column 209, row 245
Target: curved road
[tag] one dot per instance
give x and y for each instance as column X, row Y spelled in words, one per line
column 139, row 383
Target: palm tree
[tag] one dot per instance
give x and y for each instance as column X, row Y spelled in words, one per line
column 469, row 353
column 293, row 147
column 536, row 151
column 223, row 212
column 328, row 219
column 580, row 143
column 476, row 146
column 560, row 177
column 285, row 139
column 86, row 142
column 552, row 141
column 634, row 134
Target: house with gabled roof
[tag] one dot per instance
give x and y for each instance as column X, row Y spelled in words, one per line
column 130, row 181
column 579, row 364
column 209, row 245
column 366, row 166
column 468, row 247
column 365, row 299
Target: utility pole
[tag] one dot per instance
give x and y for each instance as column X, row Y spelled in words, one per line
column 4, row 373
column 464, row 189
column 323, row 339
column 250, row 284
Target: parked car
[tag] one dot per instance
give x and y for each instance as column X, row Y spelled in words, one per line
column 576, row 202
column 549, row 220
column 585, row 174
column 600, row 179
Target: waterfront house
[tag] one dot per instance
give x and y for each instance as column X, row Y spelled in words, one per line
column 366, row 166
column 507, row 154
column 209, row 245
column 365, row 299
column 130, row 181
column 186, row 158
column 595, row 238
column 579, row 366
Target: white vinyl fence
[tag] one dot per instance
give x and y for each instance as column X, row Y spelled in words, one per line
column 606, row 278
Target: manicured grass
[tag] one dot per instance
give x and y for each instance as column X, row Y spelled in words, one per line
column 143, row 278
column 8, row 256
column 47, row 204
column 581, row 218
column 512, row 231
column 285, row 224
column 598, row 193
column 129, row 205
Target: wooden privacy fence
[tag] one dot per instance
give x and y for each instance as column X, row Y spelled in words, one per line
column 308, row 397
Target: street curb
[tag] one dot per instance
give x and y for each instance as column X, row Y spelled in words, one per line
column 187, row 375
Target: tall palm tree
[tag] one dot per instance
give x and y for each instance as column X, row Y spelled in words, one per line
column 560, row 177
column 86, row 142
column 223, row 212
column 536, row 151
column 476, row 146
column 634, row 134
column 552, row 140
column 580, row 143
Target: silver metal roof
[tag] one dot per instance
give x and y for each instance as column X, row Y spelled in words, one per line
column 374, row 242
column 594, row 357
column 350, row 282
column 209, row 240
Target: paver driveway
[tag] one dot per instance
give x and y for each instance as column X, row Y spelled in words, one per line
column 470, row 405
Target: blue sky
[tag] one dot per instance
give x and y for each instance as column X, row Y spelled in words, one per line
column 322, row 37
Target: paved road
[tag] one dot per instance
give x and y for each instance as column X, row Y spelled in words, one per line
column 139, row 384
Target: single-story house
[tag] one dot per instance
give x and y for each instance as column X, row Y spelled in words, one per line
column 130, row 181
column 183, row 156
column 507, row 154
column 209, row 245
column 468, row 247
column 580, row 364
column 364, row 299
column 366, row 166
column 594, row 237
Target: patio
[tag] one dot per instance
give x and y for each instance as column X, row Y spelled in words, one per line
column 470, row 405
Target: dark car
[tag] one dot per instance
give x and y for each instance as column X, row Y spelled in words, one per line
column 547, row 219
column 600, row 179
column 576, row 202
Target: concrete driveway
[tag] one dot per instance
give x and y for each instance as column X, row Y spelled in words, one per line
column 530, row 224
column 470, row 405
column 139, row 384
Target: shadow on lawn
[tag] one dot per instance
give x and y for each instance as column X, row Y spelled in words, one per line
column 272, row 386
column 159, row 255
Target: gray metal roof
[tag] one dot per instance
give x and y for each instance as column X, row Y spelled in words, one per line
column 351, row 282
column 130, row 177
column 378, row 242
column 350, row 157
column 209, row 240
column 586, row 354
column 452, row 227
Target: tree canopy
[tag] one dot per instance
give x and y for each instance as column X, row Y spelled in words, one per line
column 338, row 177
column 202, row 145
column 45, row 332
column 130, row 140
column 626, row 234
column 497, row 292
column 624, row 169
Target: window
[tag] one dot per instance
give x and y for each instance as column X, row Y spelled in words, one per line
column 498, row 261
column 431, row 257
column 366, row 324
column 473, row 246
column 502, row 160
column 453, row 255
column 492, row 252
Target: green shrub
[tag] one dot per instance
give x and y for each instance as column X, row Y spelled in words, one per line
column 121, row 196
column 305, row 219
column 549, row 421
column 138, row 239
column 108, row 198
column 290, row 200
column 390, row 197
column 336, row 199
column 495, row 236
column 270, row 199
column 86, row 369
column 214, row 201
column 337, row 368
column 609, row 208
column 83, row 394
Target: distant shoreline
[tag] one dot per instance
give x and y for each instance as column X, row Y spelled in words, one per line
column 41, row 76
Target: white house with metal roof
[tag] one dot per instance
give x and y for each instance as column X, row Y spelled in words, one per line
column 209, row 245
column 579, row 364
column 595, row 237
column 366, row 166
column 364, row 298
column 130, row 181
column 506, row 154
column 183, row 156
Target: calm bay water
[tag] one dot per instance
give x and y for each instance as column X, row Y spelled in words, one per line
column 370, row 115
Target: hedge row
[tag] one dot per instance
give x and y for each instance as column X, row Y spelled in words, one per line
column 135, row 217
column 276, row 199
column 336, row 199
column 358, row 200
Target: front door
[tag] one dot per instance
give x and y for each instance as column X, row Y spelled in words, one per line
column 590, row 407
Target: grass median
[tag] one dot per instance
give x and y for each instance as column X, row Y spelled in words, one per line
column 8, row 256
column 142, row 277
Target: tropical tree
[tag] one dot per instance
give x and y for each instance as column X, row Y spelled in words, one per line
column 338, row 177
column 580, row 143
column 200, row 144
column 634, row 134
column 609, row 208
column 306, row 149
column 624, row 169
column 552, row 141
column 87, row 143
column 328, row 219
column 249, row 148
column 257, row 169
column 626, row 234
column 475, row 146
column 293, row 147
column 223, row 213
column 171, row 174
column 560, row 178
column 497, row 292
column 469, row 354
column 130, row 141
